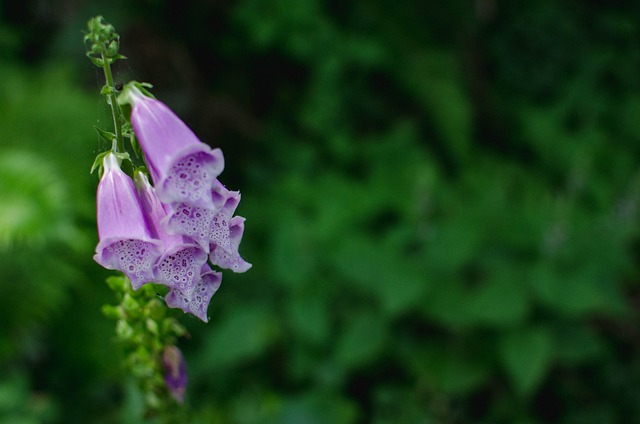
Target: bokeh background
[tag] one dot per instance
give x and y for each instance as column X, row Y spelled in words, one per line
column 441, row 200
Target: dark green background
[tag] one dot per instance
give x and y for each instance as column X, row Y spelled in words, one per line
column 441, row 200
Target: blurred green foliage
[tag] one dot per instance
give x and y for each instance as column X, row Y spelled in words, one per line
column 441, row 201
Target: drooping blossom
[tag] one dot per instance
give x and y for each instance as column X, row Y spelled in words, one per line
column 227, row 256
column 175, row 372
column 217, row 231
column 181, row 260
column 182, row 167
column 225, row 235
column 126, row 243
column 195, row 299
column 195, row 221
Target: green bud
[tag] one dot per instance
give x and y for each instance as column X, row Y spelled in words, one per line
column 123, row 330
column 130, row 304
column 152, row 400
column 155, row 309
column 113, row 312
column 172, row 326
column 112, row 50
column 117, row 283
column 152, row 326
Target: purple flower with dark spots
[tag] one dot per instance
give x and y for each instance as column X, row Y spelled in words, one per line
column 228, row 257
column 217, row 231
column 182, row 259
column 225, row 234
column 126, row 242
column 195, row 299
column 195, row 221
column 175, row 372
column 182, row 167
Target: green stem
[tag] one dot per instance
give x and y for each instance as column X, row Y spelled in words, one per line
column 118, row 142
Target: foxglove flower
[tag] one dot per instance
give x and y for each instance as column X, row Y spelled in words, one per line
column 126, row 243
column 175, row 372
column 182, row 167
column 181, row 261
column 195, row 221
column 228, row 257
column 225, row 235
column 215, row 230
column 195, row 299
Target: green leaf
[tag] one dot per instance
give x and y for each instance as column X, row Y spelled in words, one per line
column 105, row 135
column 309, row 317
column 500, row 301
column 527, row 355
column 362, row 340
column 239, row 336
column 454, row 370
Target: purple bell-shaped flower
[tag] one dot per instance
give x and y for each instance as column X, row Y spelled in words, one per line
column 195, row 299
column 182, row 167
column 126, row 243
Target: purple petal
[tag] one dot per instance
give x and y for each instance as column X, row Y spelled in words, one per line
column 230, row 258
column 175, row 369
column 190, row 178
column 219, row 227
column 182, row 167
column 126, row 243
column 180, row 264
column 195, row 299
column 180, row 267
column 195, row 221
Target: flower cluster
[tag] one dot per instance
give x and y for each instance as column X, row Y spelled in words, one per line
column 170, row 232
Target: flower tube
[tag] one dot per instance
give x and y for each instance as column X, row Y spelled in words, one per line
column 126, row 243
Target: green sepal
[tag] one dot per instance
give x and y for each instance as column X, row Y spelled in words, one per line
column 97, row 163
column 96, row 60
column 108, row 90
column 125, row 97
column 143, row 86
column 112, row 49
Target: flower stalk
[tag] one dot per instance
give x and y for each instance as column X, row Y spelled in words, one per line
column 169, row 232
column 104, row 44
column 110, row 88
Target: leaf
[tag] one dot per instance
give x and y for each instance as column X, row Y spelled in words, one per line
column 526, row 354
column 454, row 370
column 237, row 337
column 501, row 301
column 309, row 317
column 105, row 135
column 361, row 340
